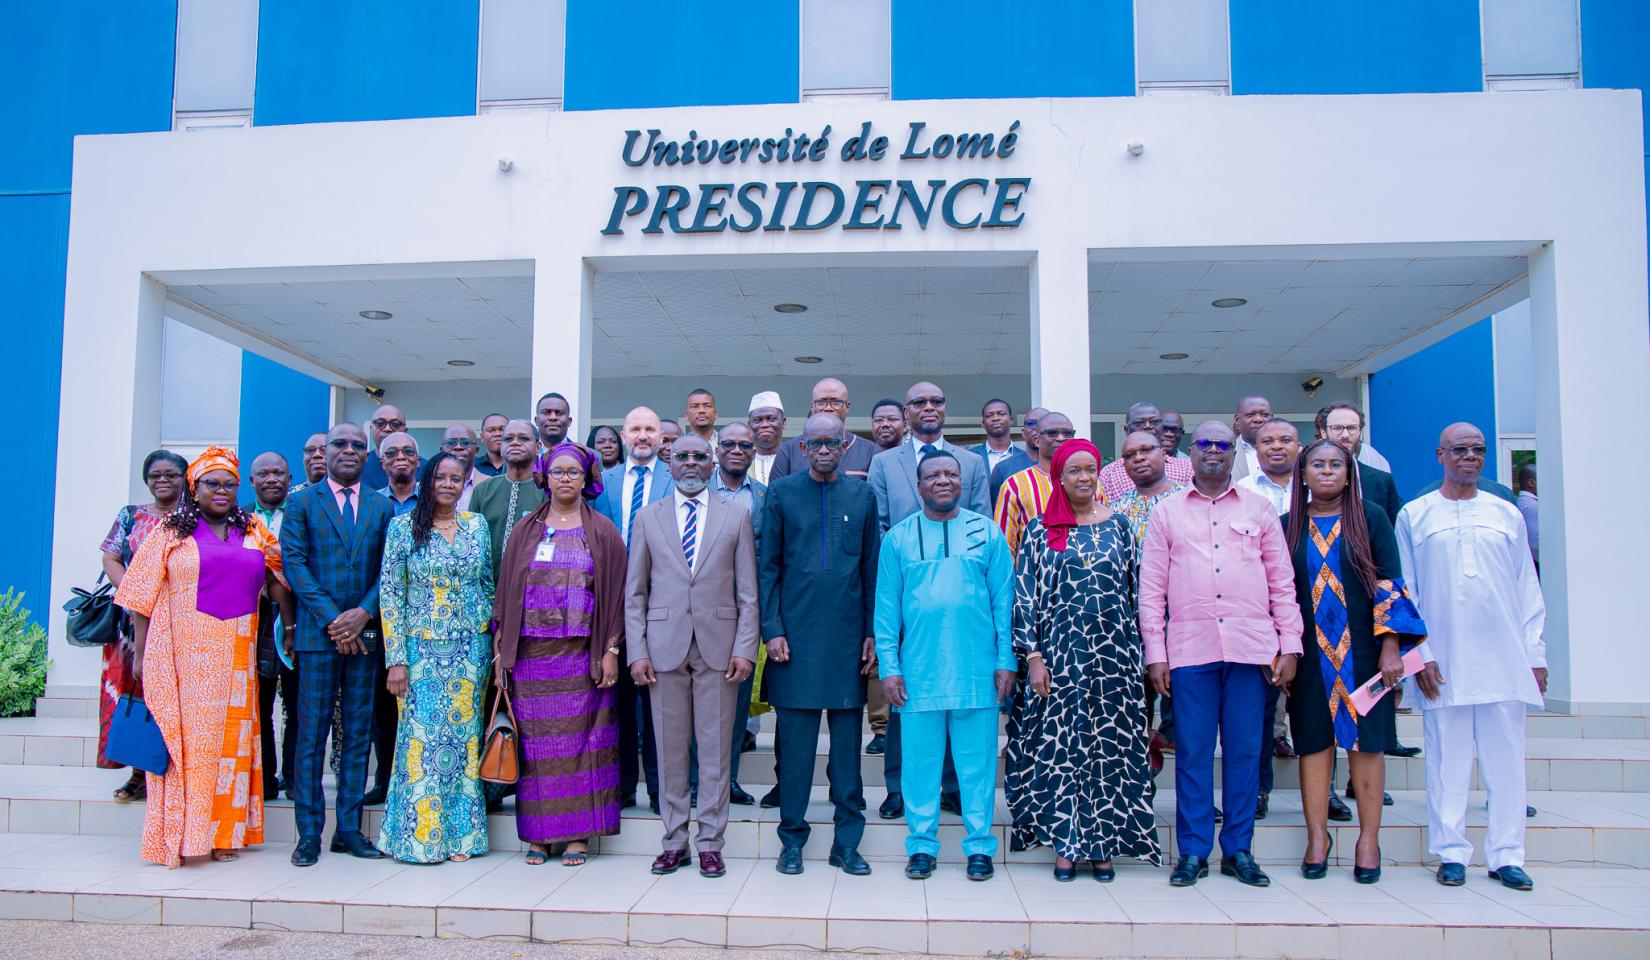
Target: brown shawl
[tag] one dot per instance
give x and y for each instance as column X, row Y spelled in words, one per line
column 607, row 549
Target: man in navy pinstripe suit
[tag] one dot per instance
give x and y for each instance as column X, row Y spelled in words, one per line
column 332, row 543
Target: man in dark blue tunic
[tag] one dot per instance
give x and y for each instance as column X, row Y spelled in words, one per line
column 817, row 563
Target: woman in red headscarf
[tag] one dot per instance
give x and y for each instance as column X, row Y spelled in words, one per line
column 192, row 590
column 1077, row 768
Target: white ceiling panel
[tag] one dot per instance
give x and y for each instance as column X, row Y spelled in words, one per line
column 874, row 281
column 1178, row 275
column 431, row 288
column 1348, row 273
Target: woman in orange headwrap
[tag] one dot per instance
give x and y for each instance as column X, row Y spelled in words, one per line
column 192, row 590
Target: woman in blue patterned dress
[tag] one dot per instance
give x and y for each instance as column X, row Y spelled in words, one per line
column 436, row 596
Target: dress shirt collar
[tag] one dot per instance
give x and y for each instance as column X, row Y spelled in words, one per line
column 719, row 485
column 917, row 444
column 702, row 498
column 338, row 488
column 631, row 465
column 1230, row 491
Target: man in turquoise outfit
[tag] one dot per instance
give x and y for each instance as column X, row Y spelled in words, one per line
column 945, row 592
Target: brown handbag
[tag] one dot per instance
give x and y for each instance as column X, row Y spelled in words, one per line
column 500, row 763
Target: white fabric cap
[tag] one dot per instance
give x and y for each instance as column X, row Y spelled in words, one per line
column 767, row 398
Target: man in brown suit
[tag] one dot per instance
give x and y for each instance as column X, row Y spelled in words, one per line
column 691, row 634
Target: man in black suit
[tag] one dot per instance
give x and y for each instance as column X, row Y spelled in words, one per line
column 1344, row 424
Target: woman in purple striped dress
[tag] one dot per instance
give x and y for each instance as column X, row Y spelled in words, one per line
column 560, row 612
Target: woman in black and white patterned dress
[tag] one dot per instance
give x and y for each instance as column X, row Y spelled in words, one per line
column 1077, row 767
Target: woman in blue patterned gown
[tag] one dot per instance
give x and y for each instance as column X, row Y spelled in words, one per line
column 436, row 595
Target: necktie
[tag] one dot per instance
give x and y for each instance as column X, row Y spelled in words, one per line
column 928, row 448
column 349, row 513
column 690, row 530
column 637, row 491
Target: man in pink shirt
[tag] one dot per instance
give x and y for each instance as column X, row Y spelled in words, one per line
column 1219, row 620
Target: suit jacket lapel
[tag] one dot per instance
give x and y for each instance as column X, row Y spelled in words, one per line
column 329, row 506
column 361, row 511
column 710, row 526
column 908, row 459
column 665, row 523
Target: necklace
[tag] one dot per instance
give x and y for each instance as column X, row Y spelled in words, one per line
column 563, row 516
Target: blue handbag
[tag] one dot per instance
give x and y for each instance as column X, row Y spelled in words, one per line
column 134, row 738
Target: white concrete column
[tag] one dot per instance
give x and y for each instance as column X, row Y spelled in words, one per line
column 1588, row 305
column 113, row 331
column 564, row 303
column 1060, row 333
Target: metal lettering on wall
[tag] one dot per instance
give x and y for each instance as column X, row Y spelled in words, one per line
column 869, row 204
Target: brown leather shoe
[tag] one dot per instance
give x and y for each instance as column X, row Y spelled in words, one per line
column 669, row 862
column 711, row 865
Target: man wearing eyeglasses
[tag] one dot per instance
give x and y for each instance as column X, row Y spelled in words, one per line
column 1466, row 559
column 460, row 441
column 1344, row 424
column 830, row 395
column 387, row 419
column 399, row 454
column 893, row 473
column 1115, row 479
column 1219, row 620
column 1026, row 493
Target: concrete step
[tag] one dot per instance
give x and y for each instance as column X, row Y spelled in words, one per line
column 65, row 707
column 614, row 900
column 1608, row 829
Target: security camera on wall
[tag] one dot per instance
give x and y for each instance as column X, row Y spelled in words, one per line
column 1311, row 386
column 376, row 394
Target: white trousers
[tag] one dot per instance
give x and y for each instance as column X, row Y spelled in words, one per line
column 1494, row 732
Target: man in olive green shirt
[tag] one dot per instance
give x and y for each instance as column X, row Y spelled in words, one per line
column 505, row 499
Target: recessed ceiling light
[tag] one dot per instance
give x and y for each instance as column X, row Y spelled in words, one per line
column 789, row 308
column 376, row 314
column 1225, row 302
column 1173, row 356
column 809, row 359
column 471, row 363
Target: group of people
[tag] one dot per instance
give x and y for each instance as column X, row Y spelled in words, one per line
column 637, row 601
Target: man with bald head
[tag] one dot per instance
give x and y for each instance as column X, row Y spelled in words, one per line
column 1025, row 458
column 1219, row 620
column 894, row 472
column 629, row 486
column 830, row 395
column 387, row 419
column 1252, row 411
column 1116, row 480
column 506, row 498
column 1466, row 558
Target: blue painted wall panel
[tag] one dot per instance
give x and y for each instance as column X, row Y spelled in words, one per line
column 1615, row 51
column 681, row 53
column 1355, row 46
column 324, row 60
column 280, row 408
column 1412, row 401
column 1030, row 48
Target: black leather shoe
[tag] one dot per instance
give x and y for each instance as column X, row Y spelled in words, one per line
column 1320, row 869
column 1105, row 874
column 1263, row 805
column 979, row 867
column 849, row 861
column 1386, row 799
column 790, row 861
column 738, row 797
column 749, row 743
column 627, row 801
column 1218, row 815
column 770, row 799
column 878, row 745
column 860, row 803
column 1338, row 810
column 920, row 866
column 1065, row 874
column 1529, row 811
column 1188, row 871
column 356, row 846
column 892, row 808
column 1452, row 874
column 1513, row 878
column 951, row 803
column 1368, row 874
column 1243, row 866
column 306, row 852
column 653, row 804
column 376, row 796
column 1399, row 750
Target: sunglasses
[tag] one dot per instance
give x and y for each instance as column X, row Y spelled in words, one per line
column 1219, row 446
column 457, row 443
column 359, row 446
column 823, row 443
column 917, row 403
column 1461, row 450
column 1059, row 433
column 690, row 456
column 391, row 453
column 393, row 425
column 744, row 445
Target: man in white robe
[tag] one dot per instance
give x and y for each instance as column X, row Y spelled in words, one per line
column 1466, row 558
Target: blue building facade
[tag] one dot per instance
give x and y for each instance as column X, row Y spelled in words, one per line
column 79, row 67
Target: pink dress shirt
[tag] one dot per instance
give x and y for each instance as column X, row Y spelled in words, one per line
column 338, row 494
column 1115, row 479
column 1220, row 571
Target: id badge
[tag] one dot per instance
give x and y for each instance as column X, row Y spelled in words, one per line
column 545, row 553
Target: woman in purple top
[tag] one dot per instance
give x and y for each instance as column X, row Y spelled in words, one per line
column 560, row 613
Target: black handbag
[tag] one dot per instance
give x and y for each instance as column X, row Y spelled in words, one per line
column 94, row 620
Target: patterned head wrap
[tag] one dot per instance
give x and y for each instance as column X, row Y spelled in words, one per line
column 1058, row 516
column 213, row 458
column 588, row 459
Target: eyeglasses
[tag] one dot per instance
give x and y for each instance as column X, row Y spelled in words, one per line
column 823, row 443
column 1462, row 449
column 690, row 456
column 1219, row 446
column 1059, row 433
column 217, row 486
column 832, row 402
column 526, row 438
column 1031, row 421
column 393, row 453
column 888, row 418
column 157, row 475
column 744, row 445
column 395, row 426
column 1343, row 430
column 359, row 446
column 312, row 450
column 457, row 443
column 1145, row 423
column 565, row 473
column 917, row 403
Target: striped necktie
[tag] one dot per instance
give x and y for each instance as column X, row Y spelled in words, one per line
column 637, row 491
column 690, row 531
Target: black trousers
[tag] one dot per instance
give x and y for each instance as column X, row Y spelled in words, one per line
column 891, row 762
column 384, row 720
column 798, row 737
column 277, row 764
column 636, row 736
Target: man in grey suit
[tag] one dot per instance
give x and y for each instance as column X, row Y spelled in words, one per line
column 628, row 487
column 894, row 472
column 690, row 635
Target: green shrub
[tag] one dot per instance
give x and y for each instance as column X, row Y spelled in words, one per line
column 22, row 657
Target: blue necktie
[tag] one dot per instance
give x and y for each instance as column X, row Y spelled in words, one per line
column 690, row 531
column 637, row 491
column 349, row 514
column 928, row 448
